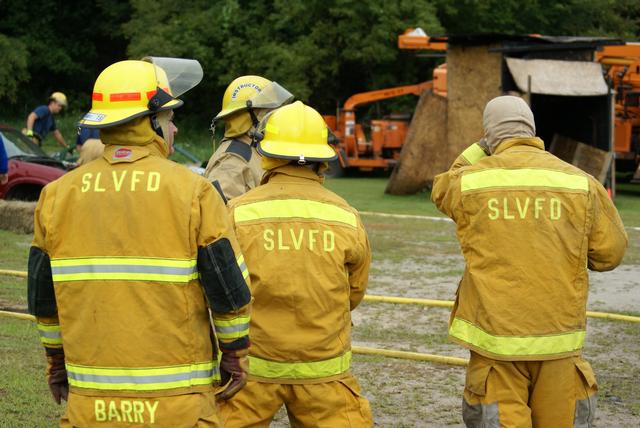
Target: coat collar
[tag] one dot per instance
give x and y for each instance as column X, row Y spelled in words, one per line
column 286, row 172
column 519, row 141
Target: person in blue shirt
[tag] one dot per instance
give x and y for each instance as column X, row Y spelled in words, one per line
column 41, row 121
column 4, row 164
column 85, row 134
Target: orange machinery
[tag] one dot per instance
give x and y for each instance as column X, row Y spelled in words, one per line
column 386, row 137
column 623, row 74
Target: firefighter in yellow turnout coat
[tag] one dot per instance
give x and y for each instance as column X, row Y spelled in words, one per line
column 529, row 226
column 309, row 257
column 235, row 167
column 122, row 296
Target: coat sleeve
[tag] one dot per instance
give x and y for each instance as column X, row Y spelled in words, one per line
column 223, row 271
column 445, row 193
column 358, row 267
column 41, row 294
column 232, row 173
column 4, row 161
column 608, row 239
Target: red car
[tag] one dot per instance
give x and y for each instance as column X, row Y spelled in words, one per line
column 30, row 168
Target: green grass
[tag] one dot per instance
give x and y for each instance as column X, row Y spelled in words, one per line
column 25, row 400
column 14, row 249
column 367, row 194
column 628, row 203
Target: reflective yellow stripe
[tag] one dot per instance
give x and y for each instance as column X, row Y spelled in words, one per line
column 517, row 345
column 139, row 261
column 50, row 334
column 243, row 319
column 232, row 329
column 142, row 379
column 125, row 269
column 301, row 370
column 474, row 153
column 523, row 177
column 243, row 267
column 294, row 208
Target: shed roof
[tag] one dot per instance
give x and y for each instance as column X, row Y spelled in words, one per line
column 552, row 77
column 524, row 42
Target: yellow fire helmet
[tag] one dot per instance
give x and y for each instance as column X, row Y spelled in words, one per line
column 129, row 89
column 296, row 132
column 60, row 98
column 252, row 92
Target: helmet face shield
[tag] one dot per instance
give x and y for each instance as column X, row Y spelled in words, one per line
column 133, row 88
column 177, row 74
column 271, row 96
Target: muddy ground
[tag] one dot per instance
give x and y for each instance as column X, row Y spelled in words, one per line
column 420, row 258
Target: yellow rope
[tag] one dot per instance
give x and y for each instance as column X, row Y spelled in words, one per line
column 409, row 301
column 18, row 315
column 413, row 301
column 410, row 356
column 449, row 304
column 13, row 273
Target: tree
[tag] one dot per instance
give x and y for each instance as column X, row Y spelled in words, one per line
column 60, row 46
column 619, row 18
column 13, row 67
column 322, row 51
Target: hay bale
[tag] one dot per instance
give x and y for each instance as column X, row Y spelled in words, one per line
column 422, row 155
column 474, row 77
column 441, row 130
column 17, row 216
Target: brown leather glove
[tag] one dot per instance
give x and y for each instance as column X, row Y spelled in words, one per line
column 57, row 377
column 234, row 367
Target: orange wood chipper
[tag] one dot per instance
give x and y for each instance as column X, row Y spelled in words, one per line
column 378, row 147
column 623, row 74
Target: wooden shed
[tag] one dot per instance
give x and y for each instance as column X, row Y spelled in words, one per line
column 557, row 76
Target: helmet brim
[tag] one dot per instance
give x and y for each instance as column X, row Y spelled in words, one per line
column 229, row 111
column 104, row 118
column 272, row 96
column 296, row 151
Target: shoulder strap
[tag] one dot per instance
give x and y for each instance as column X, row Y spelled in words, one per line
column 241, row 149
column 218, row 187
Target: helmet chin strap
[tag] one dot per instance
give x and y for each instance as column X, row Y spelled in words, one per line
column 254, row 118
column 155, row 125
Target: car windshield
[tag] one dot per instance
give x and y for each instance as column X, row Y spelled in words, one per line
column 18, row 145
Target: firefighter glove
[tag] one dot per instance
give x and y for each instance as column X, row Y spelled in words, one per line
column 57, row 377
column 234, row 367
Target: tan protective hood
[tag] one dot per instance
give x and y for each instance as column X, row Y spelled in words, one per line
column 137, row 132
column 241, row 123
column 273, row 165
column 507, row 117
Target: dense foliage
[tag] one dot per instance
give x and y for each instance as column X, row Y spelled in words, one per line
column 322, row 50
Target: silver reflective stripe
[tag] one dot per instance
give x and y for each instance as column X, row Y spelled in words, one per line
column 142, row 379
column 243, row 267
column 50, row 334
column 162, row 270
column 232, row 329
column 480, row 415
column 585, row 412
